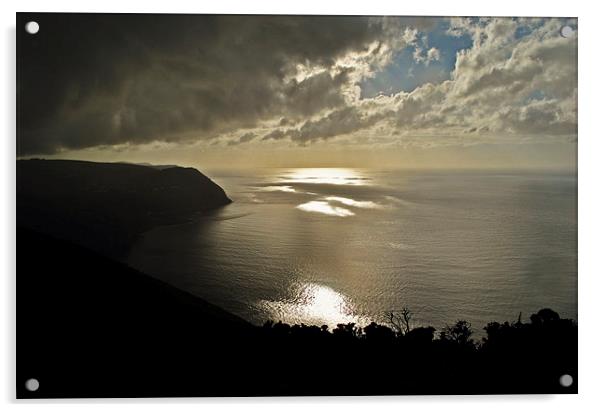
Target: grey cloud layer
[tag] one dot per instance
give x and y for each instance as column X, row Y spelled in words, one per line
column 102, row 80
column 138, row 79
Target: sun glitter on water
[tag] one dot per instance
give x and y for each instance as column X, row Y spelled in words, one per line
column 329, row 176
column 312, row 304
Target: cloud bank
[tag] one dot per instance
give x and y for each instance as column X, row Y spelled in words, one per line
column 98, row 80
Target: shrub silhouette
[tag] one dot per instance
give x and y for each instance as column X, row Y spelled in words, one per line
column 420, row 336
column 544, row 316
column 378, row 333
column 513, row 357
column 459, row 333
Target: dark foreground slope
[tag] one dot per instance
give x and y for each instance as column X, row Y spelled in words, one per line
column 104, row 206
column 91, row 327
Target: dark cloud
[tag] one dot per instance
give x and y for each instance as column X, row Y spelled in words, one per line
column 284, row 122
column 247, row 137
column 87, row 79
column 339, row 122
column 321, row 91
column 275, row 135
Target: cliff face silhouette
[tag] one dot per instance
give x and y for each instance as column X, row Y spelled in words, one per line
column 104, row 206
column 89, row 326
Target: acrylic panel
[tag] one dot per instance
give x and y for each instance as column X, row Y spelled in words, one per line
column 289, row 205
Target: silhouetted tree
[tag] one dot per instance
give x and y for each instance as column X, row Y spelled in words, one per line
column 348, row 330
column 401, row 321
column 420, row 335
column 459, row 333
column 378, row 333
column 544, row 316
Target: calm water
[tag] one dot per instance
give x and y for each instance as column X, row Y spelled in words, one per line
column 349, row 245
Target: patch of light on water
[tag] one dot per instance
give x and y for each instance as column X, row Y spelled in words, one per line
column 288, row 189
column 332, row 176
column 366, row 204
column 312, row 304
column 319, row 206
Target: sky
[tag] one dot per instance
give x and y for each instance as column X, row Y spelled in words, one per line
column 214, row 91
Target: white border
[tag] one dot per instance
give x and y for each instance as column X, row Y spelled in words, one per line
column 590, row 205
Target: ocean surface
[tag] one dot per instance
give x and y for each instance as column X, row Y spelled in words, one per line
column 328, row 246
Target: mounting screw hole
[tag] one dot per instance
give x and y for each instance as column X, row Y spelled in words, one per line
column 567, row 32
column 566, row 380
column 32, row 385
column 32, row 27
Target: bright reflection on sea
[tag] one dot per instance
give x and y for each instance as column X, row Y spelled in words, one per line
column 312, row 304
column 326, row 208
column 329, row 176
column 284, row 188
column 361, row 204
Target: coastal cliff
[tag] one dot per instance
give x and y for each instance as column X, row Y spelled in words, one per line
column 105, row 206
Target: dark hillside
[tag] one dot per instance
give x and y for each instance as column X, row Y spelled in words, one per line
column 88, row 325
column 104, row 206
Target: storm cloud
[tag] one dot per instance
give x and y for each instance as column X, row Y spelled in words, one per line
column 106, row 80
column 89, row 80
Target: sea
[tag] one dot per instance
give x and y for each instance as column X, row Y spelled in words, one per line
column 339, row 245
